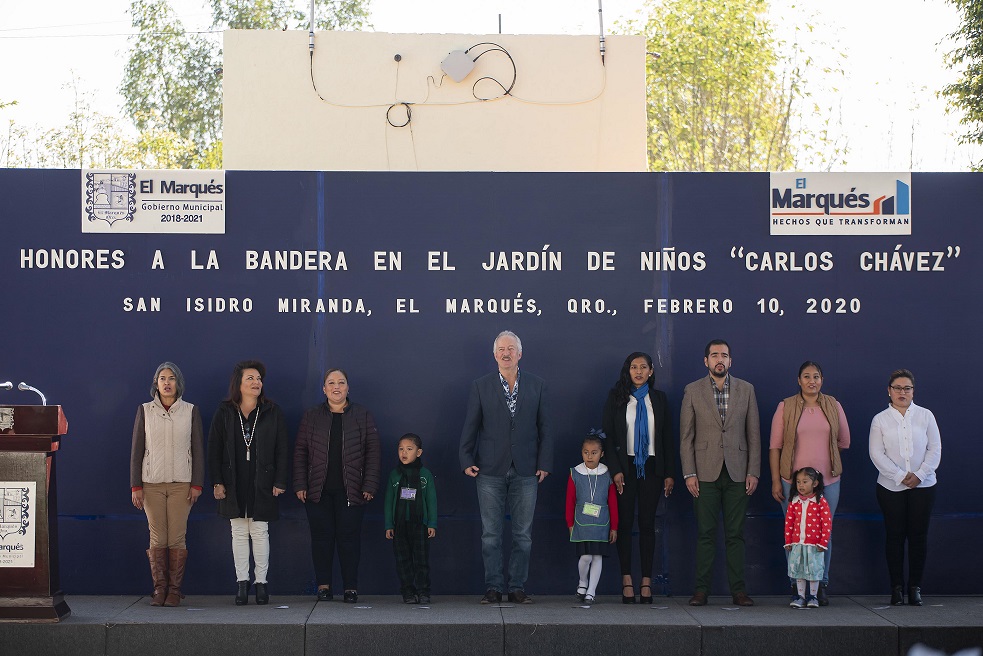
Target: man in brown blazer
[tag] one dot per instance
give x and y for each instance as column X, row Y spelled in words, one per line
column 720, row 448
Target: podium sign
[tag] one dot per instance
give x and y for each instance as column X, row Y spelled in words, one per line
column 29, row 586
column 17, row 524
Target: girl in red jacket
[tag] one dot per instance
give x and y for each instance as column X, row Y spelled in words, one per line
column 807, row 527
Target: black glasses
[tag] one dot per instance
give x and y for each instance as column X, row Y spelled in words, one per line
column 899, row 389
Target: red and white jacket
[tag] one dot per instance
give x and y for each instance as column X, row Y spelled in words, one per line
column 808, row 522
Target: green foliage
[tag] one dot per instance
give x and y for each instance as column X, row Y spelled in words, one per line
column 966, row 94
column 172, row 89
column 285, row 14
column 90, row 139
column 172, row 82
column 723, row 92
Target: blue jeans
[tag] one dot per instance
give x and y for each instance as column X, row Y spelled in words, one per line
column 831, row 493
column 518, row 495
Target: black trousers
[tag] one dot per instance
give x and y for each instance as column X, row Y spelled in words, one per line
column 412, row 548
column 906, row 516
column 335, row 525
column 643, row 494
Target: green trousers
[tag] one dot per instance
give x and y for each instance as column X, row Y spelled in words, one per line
column 730, row 497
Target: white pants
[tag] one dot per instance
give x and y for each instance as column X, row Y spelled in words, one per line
column 242, row 530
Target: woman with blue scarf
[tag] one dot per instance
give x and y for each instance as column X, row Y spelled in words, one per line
column 642, row 463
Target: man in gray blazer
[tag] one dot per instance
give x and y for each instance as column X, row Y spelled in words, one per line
column 720, row 448
column 507, row 446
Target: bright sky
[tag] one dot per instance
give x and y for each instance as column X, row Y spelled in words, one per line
column 891, row 116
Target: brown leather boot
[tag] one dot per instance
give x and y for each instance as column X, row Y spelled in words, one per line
column 177, row 559
column 158, row 571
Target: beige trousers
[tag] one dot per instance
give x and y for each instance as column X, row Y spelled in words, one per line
column 167, row 508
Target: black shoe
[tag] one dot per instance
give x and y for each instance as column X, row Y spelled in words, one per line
column 351, row 596
column 821, row 595
column 914, row 596
column 897, row 597
column 581, row 592
column 519, row 597
column 410, row 598
column 492, row 597
column 424, row 599
column 262, row 596
column 242, row 595
column 324, row 594
column 642, row 599
column 625, row 599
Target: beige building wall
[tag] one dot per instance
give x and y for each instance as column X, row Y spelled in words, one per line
column 566, row 111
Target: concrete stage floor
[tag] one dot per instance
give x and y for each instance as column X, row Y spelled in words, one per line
column 212, row 625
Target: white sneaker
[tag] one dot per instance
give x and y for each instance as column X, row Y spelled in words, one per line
column 798, row 602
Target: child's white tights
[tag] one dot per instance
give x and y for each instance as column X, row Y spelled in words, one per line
column 813, row 587
column 590, row 570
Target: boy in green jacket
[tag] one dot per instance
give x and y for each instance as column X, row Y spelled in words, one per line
column 411, row 519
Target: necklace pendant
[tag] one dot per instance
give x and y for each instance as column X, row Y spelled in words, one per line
column 247, row 453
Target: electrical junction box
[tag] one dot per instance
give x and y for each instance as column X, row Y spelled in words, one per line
column 457, row 65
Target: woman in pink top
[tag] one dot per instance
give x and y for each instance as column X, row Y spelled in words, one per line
column 809, row 430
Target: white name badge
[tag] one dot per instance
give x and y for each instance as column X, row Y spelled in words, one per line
column 407, row 493
column 592, row 510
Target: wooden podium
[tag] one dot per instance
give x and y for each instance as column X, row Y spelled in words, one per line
column 29, row 437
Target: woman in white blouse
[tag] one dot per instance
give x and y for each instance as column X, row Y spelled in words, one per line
column 906, row 448
column 640, row 455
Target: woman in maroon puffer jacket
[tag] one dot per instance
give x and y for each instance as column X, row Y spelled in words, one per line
column 336, row 472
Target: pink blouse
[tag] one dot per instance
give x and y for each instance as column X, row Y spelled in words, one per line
column 811, row 439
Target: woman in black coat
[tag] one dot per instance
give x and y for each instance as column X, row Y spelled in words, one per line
column 336, row 473
column 247, row 458
column 639, row 452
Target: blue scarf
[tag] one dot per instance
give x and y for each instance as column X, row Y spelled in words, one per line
column 641, row 430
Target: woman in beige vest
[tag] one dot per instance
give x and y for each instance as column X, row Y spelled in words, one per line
column 809, row 430
column 167, row 469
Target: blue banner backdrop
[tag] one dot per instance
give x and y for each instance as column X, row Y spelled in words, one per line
column 410, row 359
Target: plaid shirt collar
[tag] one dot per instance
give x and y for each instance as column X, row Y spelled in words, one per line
column 721, row 396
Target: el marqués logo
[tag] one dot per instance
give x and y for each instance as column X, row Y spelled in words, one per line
column 840, row 203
